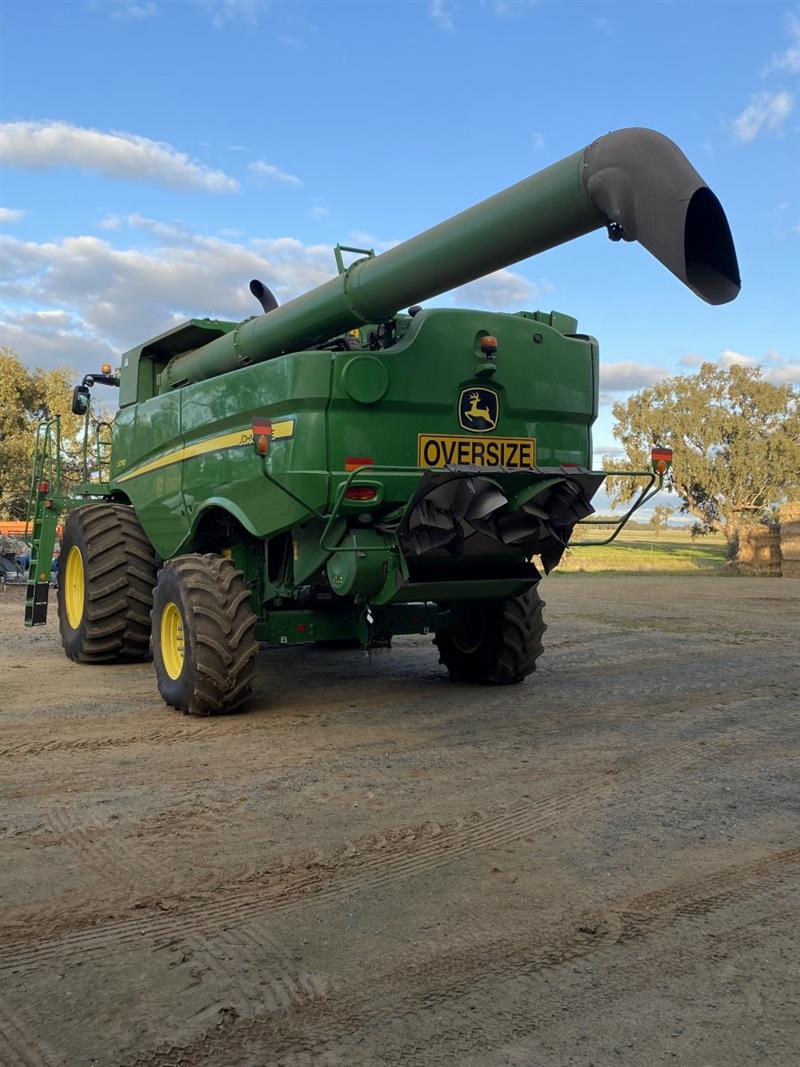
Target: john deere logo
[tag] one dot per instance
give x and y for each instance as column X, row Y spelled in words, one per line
column 478, row 409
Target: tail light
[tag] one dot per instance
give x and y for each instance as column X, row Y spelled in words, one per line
column 661, row 459
column 361, row 492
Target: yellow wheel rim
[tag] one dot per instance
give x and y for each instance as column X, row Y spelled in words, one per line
column 468, row 643
column 172, row 640
column 74, row 587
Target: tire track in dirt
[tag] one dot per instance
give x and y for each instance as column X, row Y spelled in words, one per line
column 459, row 1043
column 435, row 990
column 406, row 853
column 224, row 954
column 17, row 1047
column 94, row 744
column 230, row 963
column 213, row 728
column 544, row 727
column 333, row 707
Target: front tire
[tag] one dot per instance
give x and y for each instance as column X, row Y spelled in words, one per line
column 204, row 643
column 494, row 642
column 105, row 585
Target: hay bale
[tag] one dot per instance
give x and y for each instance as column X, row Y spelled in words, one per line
column 759, row 551
column 789, row 513
column 791, row 568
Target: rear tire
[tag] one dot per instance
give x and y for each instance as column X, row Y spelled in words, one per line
column 494, row 642
column 106, row 577
column 204, row 643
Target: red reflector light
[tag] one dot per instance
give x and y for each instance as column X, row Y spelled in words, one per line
column 43, row 487
column 262, row 434
column 661, row 459
column 361, row 492
column 352, row 463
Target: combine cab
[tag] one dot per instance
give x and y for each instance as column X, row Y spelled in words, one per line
column 340, row 470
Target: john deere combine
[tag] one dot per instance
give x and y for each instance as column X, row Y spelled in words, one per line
column 340, row 469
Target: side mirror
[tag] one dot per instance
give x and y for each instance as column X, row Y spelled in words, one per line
column 81, row 398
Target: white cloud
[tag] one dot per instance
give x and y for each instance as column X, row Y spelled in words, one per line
column 364, row 239
column 441, row 11
column 171, row 231
column 222, row 12
column 11, row 214
column 691, row 359
column 611, row 451
column 504, row 8
column 504, row 290
column 53, row 339
column 268, row 172
column 627, row 376
column 790, row 59
column 765, row 112
column 729, row 358
column 774, row 367
column 117, row 155
column 115, row 297
column 131, row 12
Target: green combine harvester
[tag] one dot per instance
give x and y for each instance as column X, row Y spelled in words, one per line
column 350, row 466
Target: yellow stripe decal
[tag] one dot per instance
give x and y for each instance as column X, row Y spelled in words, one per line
column 238, row 439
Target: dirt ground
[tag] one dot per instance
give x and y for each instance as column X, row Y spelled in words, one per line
column 372, row 866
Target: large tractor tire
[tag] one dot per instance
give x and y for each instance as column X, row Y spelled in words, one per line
column 494, row 642
column 105, row 591
column 204, row 642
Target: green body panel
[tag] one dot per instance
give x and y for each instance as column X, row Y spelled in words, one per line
column 171, row 499
column 141, row 366
column 547, row 391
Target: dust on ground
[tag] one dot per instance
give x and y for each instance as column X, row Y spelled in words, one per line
column 373, row 866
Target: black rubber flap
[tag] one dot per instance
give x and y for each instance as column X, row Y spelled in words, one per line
column 450, row 507
column 649, row 192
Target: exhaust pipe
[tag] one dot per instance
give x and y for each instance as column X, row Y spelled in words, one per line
column 264, row 295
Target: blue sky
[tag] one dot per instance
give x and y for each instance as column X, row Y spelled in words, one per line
column 158, row 155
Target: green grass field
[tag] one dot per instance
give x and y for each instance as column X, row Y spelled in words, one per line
column 639, row 550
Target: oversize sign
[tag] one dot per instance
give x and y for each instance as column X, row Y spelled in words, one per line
column 435, row 450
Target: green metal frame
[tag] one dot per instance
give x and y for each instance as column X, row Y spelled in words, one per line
column 45, row 509
column 337, row 253
column 646, row 494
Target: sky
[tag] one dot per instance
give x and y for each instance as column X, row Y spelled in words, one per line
column 157, row 155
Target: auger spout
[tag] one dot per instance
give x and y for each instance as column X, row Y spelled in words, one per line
column 635, row 182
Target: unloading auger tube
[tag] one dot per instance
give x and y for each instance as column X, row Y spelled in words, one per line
column 635, row 182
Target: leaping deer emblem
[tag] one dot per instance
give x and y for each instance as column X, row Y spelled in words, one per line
column 475, row 412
